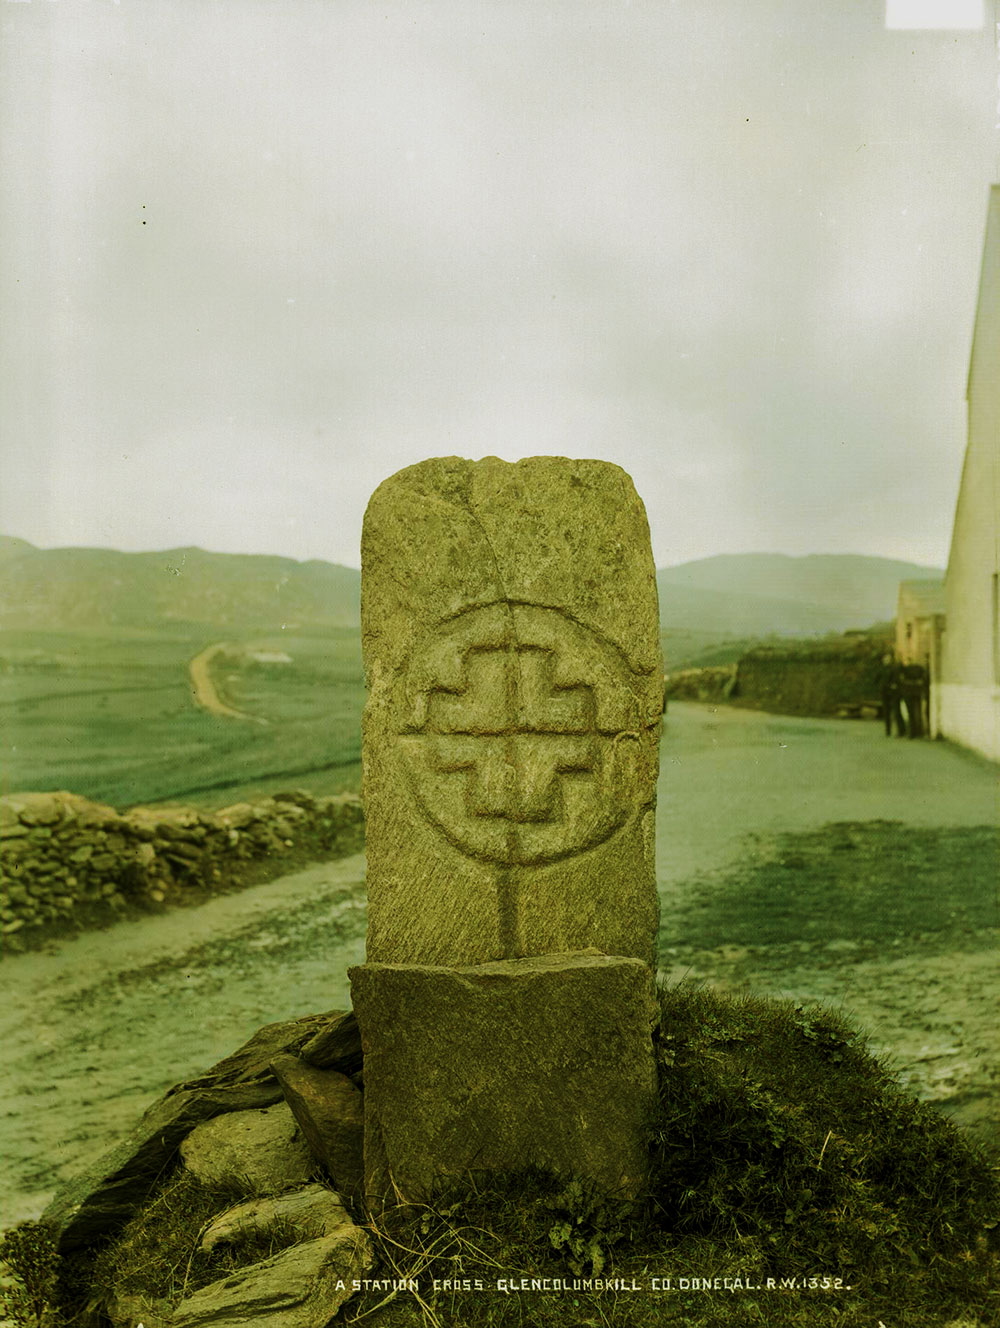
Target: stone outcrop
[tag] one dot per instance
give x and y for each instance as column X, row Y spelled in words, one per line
column 62, row 856
column 230, row 1126
column 264, row 1150
column 302, row 1287
column 311, row 1212
column 330, row 1113
column 335, row 1045
column 510, row 738
column 103, row 1197
column 545, row 1062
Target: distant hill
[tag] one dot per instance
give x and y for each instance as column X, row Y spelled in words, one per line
column 759, row 594
column 734, row 595
column 67, row 588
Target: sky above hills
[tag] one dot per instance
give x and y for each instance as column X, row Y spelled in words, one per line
column 260, row 255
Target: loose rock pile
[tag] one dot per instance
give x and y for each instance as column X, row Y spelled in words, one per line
column 249, row 1122
column 66, row 859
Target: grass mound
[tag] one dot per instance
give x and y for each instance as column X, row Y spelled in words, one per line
column 792, row 1182
column 786, row 1162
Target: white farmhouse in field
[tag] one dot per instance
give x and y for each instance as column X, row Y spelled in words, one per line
column 966, row 706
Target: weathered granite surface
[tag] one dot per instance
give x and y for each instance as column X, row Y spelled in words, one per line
column 330, row 1113
column 302, row 1287
column 313, row 1211
column 545, row 1061
column 509, row 624
column 335, row 1045
column 265, row 1150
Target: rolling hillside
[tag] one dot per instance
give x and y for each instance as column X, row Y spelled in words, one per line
column 67, row 588
column 769, row 593
column 96, row 652
column 738, row 595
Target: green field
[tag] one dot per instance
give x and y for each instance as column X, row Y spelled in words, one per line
column 109, row 714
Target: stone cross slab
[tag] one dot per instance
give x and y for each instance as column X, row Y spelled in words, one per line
column 511, row 641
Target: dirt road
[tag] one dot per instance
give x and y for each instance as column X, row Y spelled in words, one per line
column 742, row 798
column 204, row 690
column 94, row 1028
column 727, row 773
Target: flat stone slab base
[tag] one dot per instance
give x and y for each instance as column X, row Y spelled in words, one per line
column 545, row 1062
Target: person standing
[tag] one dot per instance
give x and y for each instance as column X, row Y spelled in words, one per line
column 913, row 688
column 889, row 687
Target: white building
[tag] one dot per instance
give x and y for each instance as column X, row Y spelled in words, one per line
column 966, row 704
column 918, row 613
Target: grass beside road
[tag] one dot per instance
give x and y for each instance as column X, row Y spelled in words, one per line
column 865, row 882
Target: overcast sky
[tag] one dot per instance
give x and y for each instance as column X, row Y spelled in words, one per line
column 258, row 256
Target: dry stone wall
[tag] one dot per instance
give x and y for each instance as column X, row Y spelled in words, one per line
column 842, row 676
column 64, row 859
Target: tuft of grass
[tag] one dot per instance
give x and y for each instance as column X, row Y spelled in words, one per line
column 28, row 1253
column 780, row 1149
column 156, row 1255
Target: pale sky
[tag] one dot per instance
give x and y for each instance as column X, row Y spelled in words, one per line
column 259, row 255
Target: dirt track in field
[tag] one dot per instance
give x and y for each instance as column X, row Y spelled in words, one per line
column 204, row 690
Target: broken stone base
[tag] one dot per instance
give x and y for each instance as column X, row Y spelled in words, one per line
column 540, row 1062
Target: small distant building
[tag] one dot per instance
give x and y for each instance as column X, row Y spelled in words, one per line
column 919, row 622
column 269, row 657
column 965, row 705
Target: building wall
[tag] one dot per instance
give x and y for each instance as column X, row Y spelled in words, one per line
column 915, row 629
column 969, row 702
column 969, row 716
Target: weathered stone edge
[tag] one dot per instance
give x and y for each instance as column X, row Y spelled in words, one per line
column 101, row 1199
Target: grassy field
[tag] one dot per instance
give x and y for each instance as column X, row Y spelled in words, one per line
column 110, row 714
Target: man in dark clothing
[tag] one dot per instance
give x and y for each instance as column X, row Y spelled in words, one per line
column 913, row 689
column 889, row 685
